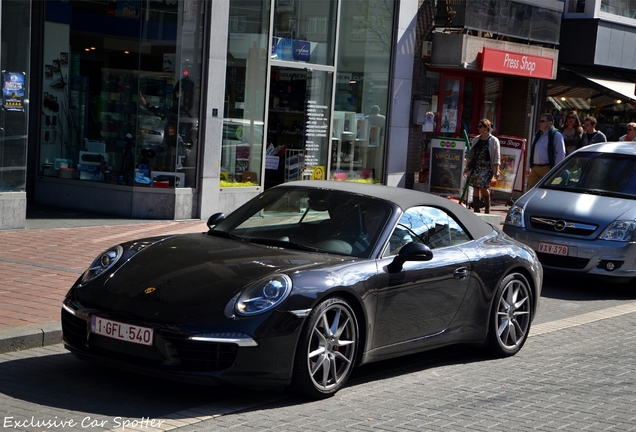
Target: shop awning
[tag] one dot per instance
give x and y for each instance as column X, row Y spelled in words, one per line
column 617, row 85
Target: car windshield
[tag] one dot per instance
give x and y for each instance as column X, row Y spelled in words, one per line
column 596, row 173
column 309, row 219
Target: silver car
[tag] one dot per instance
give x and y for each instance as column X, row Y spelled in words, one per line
column 581, row 217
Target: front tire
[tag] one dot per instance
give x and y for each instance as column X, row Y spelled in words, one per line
column 511, row 316
column 326, row 350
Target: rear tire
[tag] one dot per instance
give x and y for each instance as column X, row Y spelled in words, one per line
column 511, row 316
column 326, row 350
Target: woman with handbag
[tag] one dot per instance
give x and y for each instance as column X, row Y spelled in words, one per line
column 482, row 164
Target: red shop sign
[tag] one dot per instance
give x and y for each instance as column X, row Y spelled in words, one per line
column 512, row 63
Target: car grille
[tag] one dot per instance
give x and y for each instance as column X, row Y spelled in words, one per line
column 562, row 261
column 171, row 349
column 569, row 227
column 197, row 355
column 74, row 329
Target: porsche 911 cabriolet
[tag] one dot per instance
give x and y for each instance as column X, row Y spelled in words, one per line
column 300, row 285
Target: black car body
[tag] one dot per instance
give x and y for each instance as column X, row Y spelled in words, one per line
column 301, row 284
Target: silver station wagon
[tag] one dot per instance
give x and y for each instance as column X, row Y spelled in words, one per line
column 581, row 217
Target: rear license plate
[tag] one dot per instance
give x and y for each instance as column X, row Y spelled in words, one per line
column 122, row 331
column 553, row 249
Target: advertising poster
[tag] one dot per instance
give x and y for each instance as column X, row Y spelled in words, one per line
column 447, row 165
column 13, row 91
column 512, row 152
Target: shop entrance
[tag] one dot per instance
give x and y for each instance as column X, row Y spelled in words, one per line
column 298, row 142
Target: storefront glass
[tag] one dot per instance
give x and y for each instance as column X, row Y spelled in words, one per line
column 121, row 90
column 306, row 132
column 519, row 19
column 362, row 86
column 623, row 8
column 304, row 31
column 298, row 125
column 492, row 89
column 16, row 28
column 245, row 85
column 463, row 101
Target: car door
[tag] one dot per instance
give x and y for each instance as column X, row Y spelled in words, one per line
column 421, row 300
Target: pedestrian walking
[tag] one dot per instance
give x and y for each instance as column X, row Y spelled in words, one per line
column 631, row 133
column 591, row 135
column 482, row 164
column 547, row 150
column 572, row 132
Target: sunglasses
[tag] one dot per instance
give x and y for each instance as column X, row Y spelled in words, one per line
column 543, row 121
column 483, row 126
column 571, row 117
column 630, row 129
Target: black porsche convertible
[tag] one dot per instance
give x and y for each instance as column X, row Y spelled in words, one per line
column 301, row 284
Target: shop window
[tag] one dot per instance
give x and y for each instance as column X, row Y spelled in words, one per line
column 121, row 92
column 317, row 28
column 245, row 84
column 303, row 31
column 358, row 126
column 624, row 8
column 14, row 114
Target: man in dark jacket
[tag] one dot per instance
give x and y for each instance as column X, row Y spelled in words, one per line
column 591, row 135
column 547, row 150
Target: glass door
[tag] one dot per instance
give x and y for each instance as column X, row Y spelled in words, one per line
column 298, row 139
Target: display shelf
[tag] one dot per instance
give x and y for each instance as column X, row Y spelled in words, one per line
column 362, row 127
column 293, row 164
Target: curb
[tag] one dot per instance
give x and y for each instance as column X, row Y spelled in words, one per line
column 30, row 336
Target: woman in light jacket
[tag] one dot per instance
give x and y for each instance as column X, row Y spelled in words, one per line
column 482, row 164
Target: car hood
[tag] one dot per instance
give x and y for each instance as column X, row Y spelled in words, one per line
column 600, row 210
column 194, row 275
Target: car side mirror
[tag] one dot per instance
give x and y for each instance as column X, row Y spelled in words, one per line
column 215, row 219
column 410, row 252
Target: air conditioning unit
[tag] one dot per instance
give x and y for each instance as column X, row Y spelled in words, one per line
column 427, row 49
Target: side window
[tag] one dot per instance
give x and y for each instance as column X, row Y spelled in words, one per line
column 429, row 225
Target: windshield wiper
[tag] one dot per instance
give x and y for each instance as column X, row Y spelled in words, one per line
column 280, row 243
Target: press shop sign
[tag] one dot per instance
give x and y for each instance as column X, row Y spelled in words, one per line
column 513, row 63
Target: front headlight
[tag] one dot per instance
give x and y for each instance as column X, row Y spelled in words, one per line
column 263, row 295
column 619, row 231
column 515, row 216
column 102, row 263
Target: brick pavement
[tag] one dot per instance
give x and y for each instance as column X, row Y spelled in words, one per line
column 37, row 267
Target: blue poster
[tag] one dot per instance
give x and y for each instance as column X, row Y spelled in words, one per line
column 13, row 91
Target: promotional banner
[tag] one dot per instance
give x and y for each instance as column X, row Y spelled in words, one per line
column 13, row 91
column 447, row 165
column 512, row 163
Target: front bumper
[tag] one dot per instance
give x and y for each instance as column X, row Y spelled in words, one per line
column 601, row 258
column 178, row 355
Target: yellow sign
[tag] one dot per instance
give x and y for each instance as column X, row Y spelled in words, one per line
column 318, row 172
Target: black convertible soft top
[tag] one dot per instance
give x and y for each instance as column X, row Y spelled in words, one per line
column 404, row 198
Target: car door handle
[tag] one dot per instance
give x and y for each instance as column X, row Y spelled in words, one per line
column 461, row 273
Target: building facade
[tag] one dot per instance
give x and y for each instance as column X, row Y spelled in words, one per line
column 180, row 109
column 597, row 66
column 176, row 109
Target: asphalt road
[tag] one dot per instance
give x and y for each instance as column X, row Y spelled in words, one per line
column 576, row 372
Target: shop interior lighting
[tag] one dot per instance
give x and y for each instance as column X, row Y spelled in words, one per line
column 618, row 101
